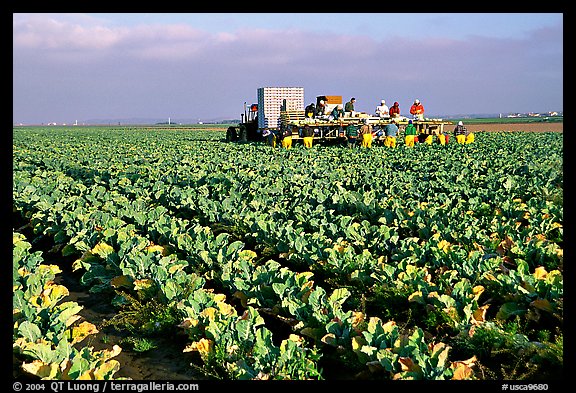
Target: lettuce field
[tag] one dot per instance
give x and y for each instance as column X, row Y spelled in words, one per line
column 433, row 262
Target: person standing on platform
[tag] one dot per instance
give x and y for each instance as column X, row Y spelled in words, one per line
column 394, row 110
column 321, row 110
column 349, row 107
column 382, row 110
column 417, row 110
column 336, row 113
column 310, row 111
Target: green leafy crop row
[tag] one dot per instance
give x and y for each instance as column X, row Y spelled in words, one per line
column 274, row 259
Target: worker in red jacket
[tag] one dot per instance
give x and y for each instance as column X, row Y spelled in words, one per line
column 394, row 110
column 417, row 110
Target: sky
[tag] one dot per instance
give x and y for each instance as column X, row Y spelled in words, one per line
column 70, row 67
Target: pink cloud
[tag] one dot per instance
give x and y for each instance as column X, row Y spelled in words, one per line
column 68, row 50
column 170, row 42
column 45, row 32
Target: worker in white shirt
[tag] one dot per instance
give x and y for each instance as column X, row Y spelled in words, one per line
column 382, row 109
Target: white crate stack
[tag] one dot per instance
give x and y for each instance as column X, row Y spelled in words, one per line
column 271, row 100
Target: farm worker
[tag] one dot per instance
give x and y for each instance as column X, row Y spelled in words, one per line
column 266, row 135
column 382, row 109
column 391, row 131
column 417, row 110
column 410, row 134
column 337, row 112
column 425, row 138
column 442, row 139
column 350, row 106
column 351, row 135
column 321, row 109
column 310, row 110
column 272, row 139
column 287, row 138
column 366, row 132
column 307, row 136
column 377, row 132
column 462, row 135
column 394, row 110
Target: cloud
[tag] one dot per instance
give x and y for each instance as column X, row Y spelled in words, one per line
column 168, row 67
column 75, row 40
column 46, row 32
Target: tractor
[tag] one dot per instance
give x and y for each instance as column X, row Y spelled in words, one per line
column 247, row 130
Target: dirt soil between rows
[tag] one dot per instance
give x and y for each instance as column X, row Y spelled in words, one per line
column 166, row 361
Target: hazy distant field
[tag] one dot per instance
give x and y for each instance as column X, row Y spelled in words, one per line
column 553, row 124
column 521, row 127
column 512, row 120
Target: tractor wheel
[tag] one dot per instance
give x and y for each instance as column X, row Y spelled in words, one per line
column 231, row 135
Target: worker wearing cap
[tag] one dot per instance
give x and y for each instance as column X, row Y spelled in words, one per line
column 394, row 110
column 382, row 109
column 462, row 134
column 410, row 134
column 417, row 110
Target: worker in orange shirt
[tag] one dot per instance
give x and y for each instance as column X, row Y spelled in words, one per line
column 417, row 110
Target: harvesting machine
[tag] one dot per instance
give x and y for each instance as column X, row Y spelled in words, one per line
column 282, row 108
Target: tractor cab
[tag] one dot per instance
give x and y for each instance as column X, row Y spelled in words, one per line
column 247, row 130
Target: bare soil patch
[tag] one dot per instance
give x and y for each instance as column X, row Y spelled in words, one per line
column 513, row 127
column 165, row 362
